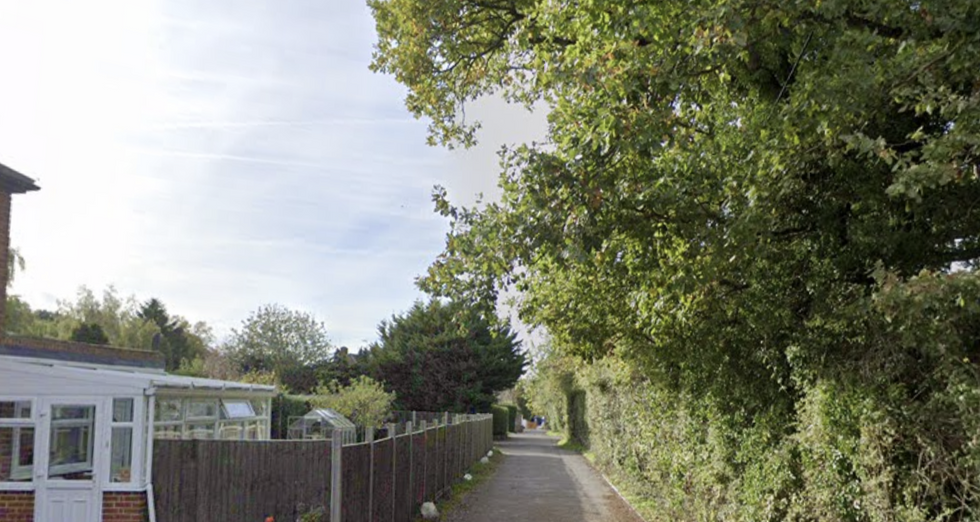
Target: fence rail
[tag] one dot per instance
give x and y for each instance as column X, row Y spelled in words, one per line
column 380, row 480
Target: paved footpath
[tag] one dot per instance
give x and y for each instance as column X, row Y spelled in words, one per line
column 539, row 482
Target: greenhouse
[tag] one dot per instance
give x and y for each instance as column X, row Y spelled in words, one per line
column 320, row 424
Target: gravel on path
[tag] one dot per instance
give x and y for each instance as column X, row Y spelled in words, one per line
column 540, row 482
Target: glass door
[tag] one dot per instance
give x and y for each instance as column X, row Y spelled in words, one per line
column 67, row 482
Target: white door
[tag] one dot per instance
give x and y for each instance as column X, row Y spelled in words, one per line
column 66, row 478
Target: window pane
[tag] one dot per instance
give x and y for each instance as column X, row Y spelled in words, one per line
column 69, row 412
column 237, row 409
column 259, row 407
column 16, row 454
column 172, row 431
column 199, row 431
column 122, row 455
column 230, row 431
column 202, row 409
column 71, row 452
column 255, row 431
column 122, row 410
column 167, row 410
column 15, row 409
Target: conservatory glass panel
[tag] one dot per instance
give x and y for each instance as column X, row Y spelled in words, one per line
column 237, row 409
column 122, row 455
column 167, row 431
column 202, row 409
column 72, row 412
column 256, row 430
column 199, row 431
column 15, row 409
column 230, row 431
column 122, row 410
column 71, row 442
column 167, row 410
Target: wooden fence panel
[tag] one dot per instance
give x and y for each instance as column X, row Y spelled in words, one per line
column 355, row 488
column 196, row 480
column 431, row 464
column 383, row 494
column 420, row 458
column 440, row 457
column 250, row 480
column 452, row 457
column 404, row 501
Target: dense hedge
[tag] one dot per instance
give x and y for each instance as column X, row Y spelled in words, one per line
column 511, row 417
column 849, row 451
column 501, row 415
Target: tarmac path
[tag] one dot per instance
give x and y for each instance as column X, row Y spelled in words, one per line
column 538, row 482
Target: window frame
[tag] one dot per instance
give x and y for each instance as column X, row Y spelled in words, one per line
column 92, row 423
column 138, row 446
column 131, row 425
column 17, row 424
column 254, row 427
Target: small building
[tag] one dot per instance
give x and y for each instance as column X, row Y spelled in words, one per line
column 320, row 424
column 78, row 421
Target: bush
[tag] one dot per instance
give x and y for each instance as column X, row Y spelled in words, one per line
column 511, row 417
column 501, row 415
column 365, row 401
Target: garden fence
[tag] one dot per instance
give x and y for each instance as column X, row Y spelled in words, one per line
column 378, row 480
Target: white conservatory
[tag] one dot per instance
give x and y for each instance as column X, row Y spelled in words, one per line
column 77, row 423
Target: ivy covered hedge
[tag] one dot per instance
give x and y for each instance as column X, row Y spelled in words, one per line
column 894, row 439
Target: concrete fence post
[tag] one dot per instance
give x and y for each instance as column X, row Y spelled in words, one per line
column 336, row 456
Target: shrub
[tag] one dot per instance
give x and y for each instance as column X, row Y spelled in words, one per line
column 511, row 417
column 500, row 418
column 365, row 401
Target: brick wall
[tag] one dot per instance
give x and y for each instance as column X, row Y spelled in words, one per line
column 17, row 506
column 4, row 253
column 6, row 452
column 20, row 345
column 123, row 507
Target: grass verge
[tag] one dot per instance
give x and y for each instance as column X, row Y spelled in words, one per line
column 480, row 472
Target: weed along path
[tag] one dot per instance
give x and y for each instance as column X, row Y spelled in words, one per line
column 538, row 482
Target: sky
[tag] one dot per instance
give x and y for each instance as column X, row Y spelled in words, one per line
column 223, row 155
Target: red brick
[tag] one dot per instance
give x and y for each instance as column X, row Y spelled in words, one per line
column 17, row 506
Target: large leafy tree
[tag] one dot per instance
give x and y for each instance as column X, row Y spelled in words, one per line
column 122, row 321
column 116, row 320
column 89, row 333
column 178, row 341
column 444, row 357
column 754, row 202
column 290, row 343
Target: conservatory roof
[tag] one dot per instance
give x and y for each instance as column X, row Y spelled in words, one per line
column 330, row 416
column 133, row 377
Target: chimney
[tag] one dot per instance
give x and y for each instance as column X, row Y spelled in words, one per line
column 11, row 182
